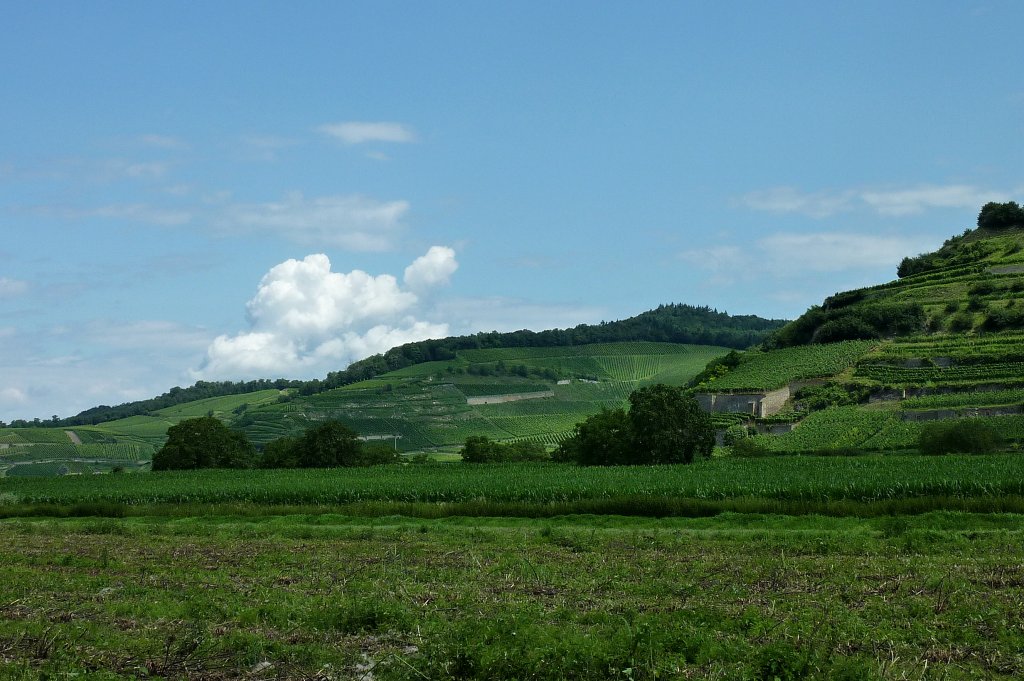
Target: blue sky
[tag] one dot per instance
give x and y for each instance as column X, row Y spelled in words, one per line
column 236, row 190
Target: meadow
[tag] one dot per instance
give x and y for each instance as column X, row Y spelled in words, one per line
column 325, row 596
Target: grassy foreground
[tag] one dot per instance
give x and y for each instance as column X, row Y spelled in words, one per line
column 332, row 597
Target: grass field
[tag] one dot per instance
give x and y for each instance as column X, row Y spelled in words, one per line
column 334, row 597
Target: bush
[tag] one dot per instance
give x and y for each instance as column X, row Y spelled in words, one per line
column 965, row 436
column 734, row 434
column 1001, row 215
column 749, row 448
column 481, row 449
column 327, row 445
column 663, row 425
column 204, row 443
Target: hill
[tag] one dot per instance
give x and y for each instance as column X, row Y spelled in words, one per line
column 869, row 369
column 673, row 323
column 426, row 395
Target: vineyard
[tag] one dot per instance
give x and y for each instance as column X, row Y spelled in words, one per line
column 425, row 406
column 770, row 370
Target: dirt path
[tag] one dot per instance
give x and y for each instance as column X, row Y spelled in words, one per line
column 73, row 436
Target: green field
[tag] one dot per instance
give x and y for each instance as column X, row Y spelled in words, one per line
column 330, row 574
column 789, row 484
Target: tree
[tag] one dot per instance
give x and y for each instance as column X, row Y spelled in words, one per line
column 604, row 439
column 663, row 425
column 669, row 426
column 327, row 445
column 481, row 449
column 1001, row 215
column 281, row 453
column 204, row 443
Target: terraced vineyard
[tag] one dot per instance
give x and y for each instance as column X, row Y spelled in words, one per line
column 417, row 408
column 426, row 406
column 770, row 370
column 45, row 451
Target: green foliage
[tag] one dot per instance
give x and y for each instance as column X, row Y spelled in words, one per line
column 966, row 436
column 734, row 434
column 773, row 369
column 327, row 445
column 376, row 454
column 997, row 216
column 817, row 397
column 669, row 426
column 606, row 439
column 481, row 449
column 663, row 425
column 750, row 447
column 204, row 442
column 280, row 453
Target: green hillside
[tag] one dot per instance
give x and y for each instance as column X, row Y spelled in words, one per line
column 506, row 394
column 871, row 369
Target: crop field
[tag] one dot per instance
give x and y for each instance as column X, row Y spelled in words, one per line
column 552, row 489
column 769, row 370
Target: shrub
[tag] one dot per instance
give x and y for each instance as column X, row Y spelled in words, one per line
column 750, row 448
column 966, row 436
column 204, row 443
column 1001, row 215
column 481, row 449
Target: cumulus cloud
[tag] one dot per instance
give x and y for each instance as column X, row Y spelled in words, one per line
column 361, row 132
column 306, row 319
column 353, row 222
column 893, row 202
column 430, row 270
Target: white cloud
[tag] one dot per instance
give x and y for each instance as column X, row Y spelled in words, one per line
column 791, row 255
column 353, row 222
column 12, row 397
column 359, row 132
column 430, row 270
column 919, row 199
column 12, row 288
column 306, row 320
column 893, row 202
column 790, row 200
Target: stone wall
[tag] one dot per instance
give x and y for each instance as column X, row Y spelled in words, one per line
column 756, row 404
column 514, row 397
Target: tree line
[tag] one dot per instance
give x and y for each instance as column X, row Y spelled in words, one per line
column 664, row 425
